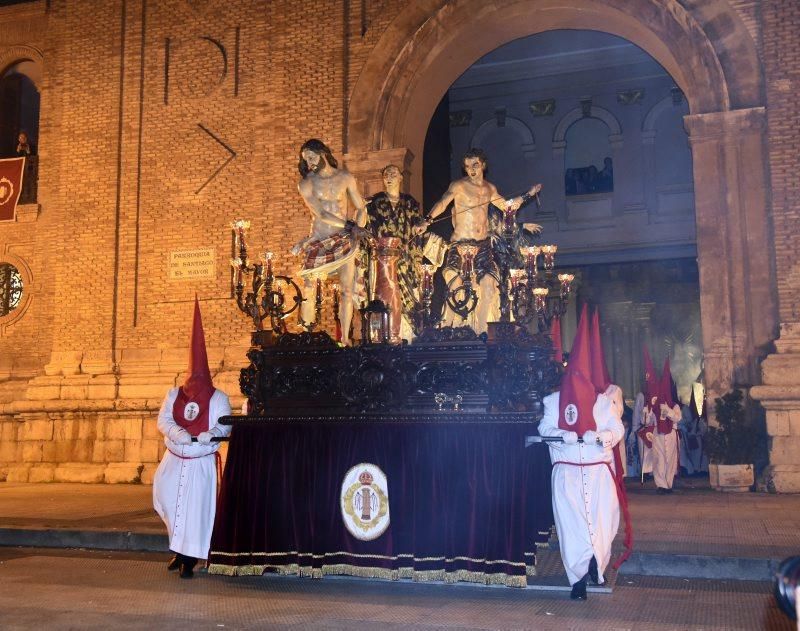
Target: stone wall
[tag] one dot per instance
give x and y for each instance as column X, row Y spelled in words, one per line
column 163, row 121
column 780, row 392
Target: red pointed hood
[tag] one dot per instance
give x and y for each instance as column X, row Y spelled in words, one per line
column 665, row 388
column 555, row 334
column 198, row 377
column 577, row 395
column 651, row 385
column 600, row 376
column 191, row 406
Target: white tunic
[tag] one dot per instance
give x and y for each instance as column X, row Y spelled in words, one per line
column 585, row 503
column 665, row 449
column 185, row 483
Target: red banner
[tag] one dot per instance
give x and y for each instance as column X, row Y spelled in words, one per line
column 11, row 170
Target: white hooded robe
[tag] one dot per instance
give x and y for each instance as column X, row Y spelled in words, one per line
column 185, row 483
column 585, row 503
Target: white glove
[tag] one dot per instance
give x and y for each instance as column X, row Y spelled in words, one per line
column 590, row 437
column 606, row 438
column 204, row 438
column 182, row 437
column 570, row 438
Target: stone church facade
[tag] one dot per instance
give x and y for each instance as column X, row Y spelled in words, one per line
column 161, row 122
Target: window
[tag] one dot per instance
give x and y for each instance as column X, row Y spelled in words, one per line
column 10, row 288
column 588, row 164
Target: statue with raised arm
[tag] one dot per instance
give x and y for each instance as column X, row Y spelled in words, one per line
column 332, row 244
column 471, row 196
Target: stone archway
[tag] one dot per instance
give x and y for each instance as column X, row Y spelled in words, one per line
column 711, row 56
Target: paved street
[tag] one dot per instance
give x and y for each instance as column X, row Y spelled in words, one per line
column 680, row 541
column 71, row 589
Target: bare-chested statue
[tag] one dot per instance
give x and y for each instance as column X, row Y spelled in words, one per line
column 471, row 196
column 332, row 244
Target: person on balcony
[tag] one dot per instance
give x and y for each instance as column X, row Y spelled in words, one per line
column 185, row 483
column 23, row 146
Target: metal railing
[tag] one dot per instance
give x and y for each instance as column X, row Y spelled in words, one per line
column 30, row 181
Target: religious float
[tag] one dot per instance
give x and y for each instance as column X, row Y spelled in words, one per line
column 392, row 460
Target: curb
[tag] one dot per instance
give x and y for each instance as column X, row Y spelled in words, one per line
column 91, row 539
column 699, row 566
column 639, row 563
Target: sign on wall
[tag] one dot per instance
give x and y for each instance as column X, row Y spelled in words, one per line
column 192, row 264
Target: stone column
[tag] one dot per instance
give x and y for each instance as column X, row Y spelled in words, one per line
column 366, row 167
column 737, row 286
column 780, row 396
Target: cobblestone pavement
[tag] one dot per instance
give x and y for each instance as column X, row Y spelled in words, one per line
column 69, row 589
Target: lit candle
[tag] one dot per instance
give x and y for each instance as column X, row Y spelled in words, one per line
column 236, row 264
column 531, row 253
column 509, row 217
column 540, row 293
column 427, row 277
column 566, row 282
column 467, row 253
column 549, row 252
column 517, row 276
column 239, row 226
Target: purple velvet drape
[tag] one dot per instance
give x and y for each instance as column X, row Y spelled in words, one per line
column 467, row 501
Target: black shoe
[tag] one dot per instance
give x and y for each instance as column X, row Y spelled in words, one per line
column 669, row 490
column 187, row 567
column 579, row 590
column 593, row 573
column 175, row 562
column 661, row 491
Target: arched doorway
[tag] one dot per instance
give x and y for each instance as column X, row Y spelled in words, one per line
column 20, row 81
column 599, row 123
column 19, row 105
column 432, row 42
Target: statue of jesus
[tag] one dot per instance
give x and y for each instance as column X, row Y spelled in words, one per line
column 332, row 244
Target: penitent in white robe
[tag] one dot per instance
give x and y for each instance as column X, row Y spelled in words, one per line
column 585, row 503
column 185, row 483
column 665, row 449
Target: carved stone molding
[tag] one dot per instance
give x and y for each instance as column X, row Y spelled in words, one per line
column 366, row 167
column 704, row 127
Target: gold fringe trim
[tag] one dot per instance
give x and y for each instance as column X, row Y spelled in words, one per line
column 383, row 557
column 257, row 570
column 345, row 569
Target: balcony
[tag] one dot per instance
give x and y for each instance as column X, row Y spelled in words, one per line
column 30, row 181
